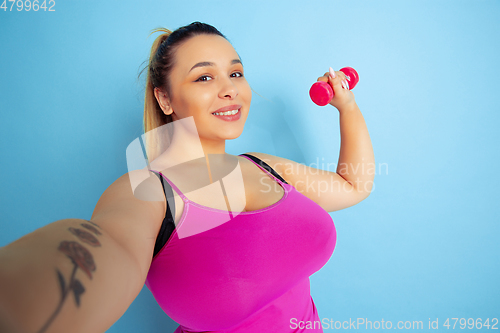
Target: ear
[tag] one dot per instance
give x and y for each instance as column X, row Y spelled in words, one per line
column 163, row 101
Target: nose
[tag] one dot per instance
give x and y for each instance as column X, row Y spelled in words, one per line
column 228, row 90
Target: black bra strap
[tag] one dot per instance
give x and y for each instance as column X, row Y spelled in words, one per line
column 265, row 166
column 168, row 225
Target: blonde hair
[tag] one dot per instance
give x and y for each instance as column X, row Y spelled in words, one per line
column 153, row 114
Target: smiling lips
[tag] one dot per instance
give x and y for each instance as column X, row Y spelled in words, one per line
column 228, row 113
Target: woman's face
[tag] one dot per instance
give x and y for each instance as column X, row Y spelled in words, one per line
column 207, row 76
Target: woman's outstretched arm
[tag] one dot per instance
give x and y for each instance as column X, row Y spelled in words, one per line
column 75, row 275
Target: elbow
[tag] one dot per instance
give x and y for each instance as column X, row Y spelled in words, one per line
column 365, row 190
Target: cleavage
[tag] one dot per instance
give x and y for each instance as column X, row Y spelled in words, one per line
column 246, row 188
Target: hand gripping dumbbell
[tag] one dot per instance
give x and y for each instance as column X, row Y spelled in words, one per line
column 322, row 93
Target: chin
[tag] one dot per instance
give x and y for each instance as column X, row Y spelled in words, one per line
column 231, row 135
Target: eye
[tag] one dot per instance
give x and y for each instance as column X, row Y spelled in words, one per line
column 203, row 78
column 237, row 74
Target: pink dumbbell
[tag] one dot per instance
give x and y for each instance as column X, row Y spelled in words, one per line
column 322, row 93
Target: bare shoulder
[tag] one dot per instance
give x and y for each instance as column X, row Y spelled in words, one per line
column 139, row 188
column 279, row 164
column 327, row 188
column 131, row 210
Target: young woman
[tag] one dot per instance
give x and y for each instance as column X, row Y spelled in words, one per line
column 219, row 250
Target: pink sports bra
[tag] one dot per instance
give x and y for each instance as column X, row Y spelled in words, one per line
column 246, row 273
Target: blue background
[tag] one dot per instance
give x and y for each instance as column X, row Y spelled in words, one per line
column 423, row 245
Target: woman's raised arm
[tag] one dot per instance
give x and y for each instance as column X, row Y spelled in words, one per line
column 75, row 275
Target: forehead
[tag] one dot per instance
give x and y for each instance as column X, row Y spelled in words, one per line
column 212, row 48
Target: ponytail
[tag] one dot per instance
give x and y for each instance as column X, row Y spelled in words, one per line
column 153, row 114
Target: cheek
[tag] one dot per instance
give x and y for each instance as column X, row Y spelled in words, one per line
column 194, row 99
column 246, row 92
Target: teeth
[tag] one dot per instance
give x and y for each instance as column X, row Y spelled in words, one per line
column 227, row 113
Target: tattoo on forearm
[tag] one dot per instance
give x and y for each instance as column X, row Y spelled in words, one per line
column 81, row 258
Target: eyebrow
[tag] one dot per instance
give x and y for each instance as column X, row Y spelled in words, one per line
column 208, row 63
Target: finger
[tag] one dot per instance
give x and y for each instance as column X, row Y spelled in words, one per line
column 335, row 82
column 345, row 80
column 332, row 73
column 344, row 84
column 323, row 78
column 334, row 76
column 342, row 76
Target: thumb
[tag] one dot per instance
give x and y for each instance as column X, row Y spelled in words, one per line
column 335, row 81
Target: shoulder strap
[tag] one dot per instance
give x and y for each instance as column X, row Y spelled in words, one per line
column 168, row 225
column 265, row 166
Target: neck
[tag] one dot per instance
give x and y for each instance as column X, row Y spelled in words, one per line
column 187, row 146
column 213, row 147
